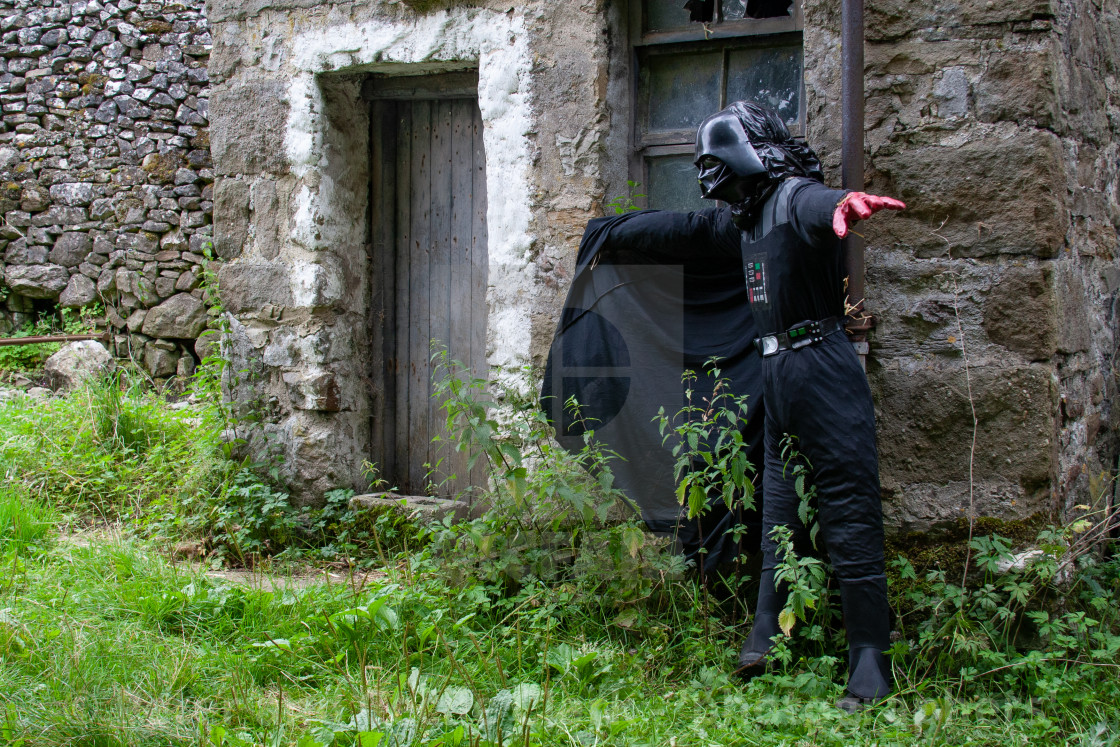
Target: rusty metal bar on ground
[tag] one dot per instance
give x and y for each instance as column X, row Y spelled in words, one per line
column 851, row 154
column 43, row 339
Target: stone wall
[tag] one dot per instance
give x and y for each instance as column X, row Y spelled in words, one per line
column 105, row 170
column 995, row 292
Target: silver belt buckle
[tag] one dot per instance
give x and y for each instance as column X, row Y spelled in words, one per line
column 769, row 345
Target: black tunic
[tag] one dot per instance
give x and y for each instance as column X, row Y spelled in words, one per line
column 819, row 393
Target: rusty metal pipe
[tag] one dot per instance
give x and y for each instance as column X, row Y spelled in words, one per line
column 851, row 151
column 41, row 340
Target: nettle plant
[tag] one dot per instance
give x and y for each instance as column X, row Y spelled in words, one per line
column 711, row 455
column 550, row 515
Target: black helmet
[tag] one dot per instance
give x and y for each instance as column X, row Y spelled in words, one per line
column 730, row 169
column 744, row 150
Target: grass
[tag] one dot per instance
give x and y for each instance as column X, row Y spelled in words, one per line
column 23, row 520
column 105, row 639
column 112, row 449
column 110, row 643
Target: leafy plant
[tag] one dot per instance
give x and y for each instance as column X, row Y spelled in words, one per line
column 64, row 321
column 23, row 520
column 711, row 455
column 627, row 202
column 551, row 515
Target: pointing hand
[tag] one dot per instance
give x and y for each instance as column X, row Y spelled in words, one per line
column 860, row 206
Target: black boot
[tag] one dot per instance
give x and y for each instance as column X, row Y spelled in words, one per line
column 867, row 622
column 753, row 657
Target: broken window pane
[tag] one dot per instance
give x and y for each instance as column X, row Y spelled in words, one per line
column 770, row 76
column 683, row 89
column 734, row 10
column 673, row 185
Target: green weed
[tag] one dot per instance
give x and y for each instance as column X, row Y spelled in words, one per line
column 23, row 520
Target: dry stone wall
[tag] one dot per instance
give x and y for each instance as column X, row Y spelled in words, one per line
column 106, row 183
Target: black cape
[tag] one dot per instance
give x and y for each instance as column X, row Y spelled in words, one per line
column 655, row 294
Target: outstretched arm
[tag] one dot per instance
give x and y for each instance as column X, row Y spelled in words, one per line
column 659, row 236
column 860, row 206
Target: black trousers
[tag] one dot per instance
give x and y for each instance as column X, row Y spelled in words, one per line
column 820, row 395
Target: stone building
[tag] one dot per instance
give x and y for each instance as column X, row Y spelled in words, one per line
column 389, row 171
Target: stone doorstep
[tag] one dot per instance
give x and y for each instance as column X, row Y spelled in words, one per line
column 428, row 509
column 422, row 507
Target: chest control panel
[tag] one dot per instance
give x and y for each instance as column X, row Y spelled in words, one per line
column 756, row 280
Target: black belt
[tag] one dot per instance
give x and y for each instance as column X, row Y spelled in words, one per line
column 798, row 336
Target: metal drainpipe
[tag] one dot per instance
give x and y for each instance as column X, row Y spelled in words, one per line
column 851, row 154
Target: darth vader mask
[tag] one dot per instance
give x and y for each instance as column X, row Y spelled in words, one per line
column 730, row 170
column 742, row 153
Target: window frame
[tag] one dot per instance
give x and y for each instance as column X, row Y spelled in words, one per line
column 724, row 36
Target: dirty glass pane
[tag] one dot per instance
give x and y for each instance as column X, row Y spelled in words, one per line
column 672, row 184
column 770, row 76
column 734, row 10
column 662, row 15
column 683, row 89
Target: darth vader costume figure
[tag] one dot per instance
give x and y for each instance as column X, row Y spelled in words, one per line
column 760, row 285
column 813, row 385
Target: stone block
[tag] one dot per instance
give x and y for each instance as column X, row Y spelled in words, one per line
column 186, row 367
column 19, row 252
column 181, row 316
column 925, row 426
column 74, row 194
column 268, row 218
column 138, row 242
column 165, row 286
column 231, row 217
column 1072, row 322
column 208, row 345
column 1018, row 85
column 135, row 321
column 313, row 390
column 188, row 281
column 161, row 167
column 71, row 249
column 247, row 127
column 252, row 286
column 422, row 509
column 79, row 292
column 114, row 318
column 37, row 281
column 77, row 362
column 58, row 215
column 100, row 209
column 34, row 198
column 107, row 282
column 1019, row 312
column 989, row 196
column 159, row 362
column 893, row 19
column 218, row 11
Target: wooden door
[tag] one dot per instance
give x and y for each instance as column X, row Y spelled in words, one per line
column 429, row 279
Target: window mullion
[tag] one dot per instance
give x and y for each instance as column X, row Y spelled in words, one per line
column 724, row 72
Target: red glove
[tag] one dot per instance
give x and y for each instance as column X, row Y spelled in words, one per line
column 859, row 206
